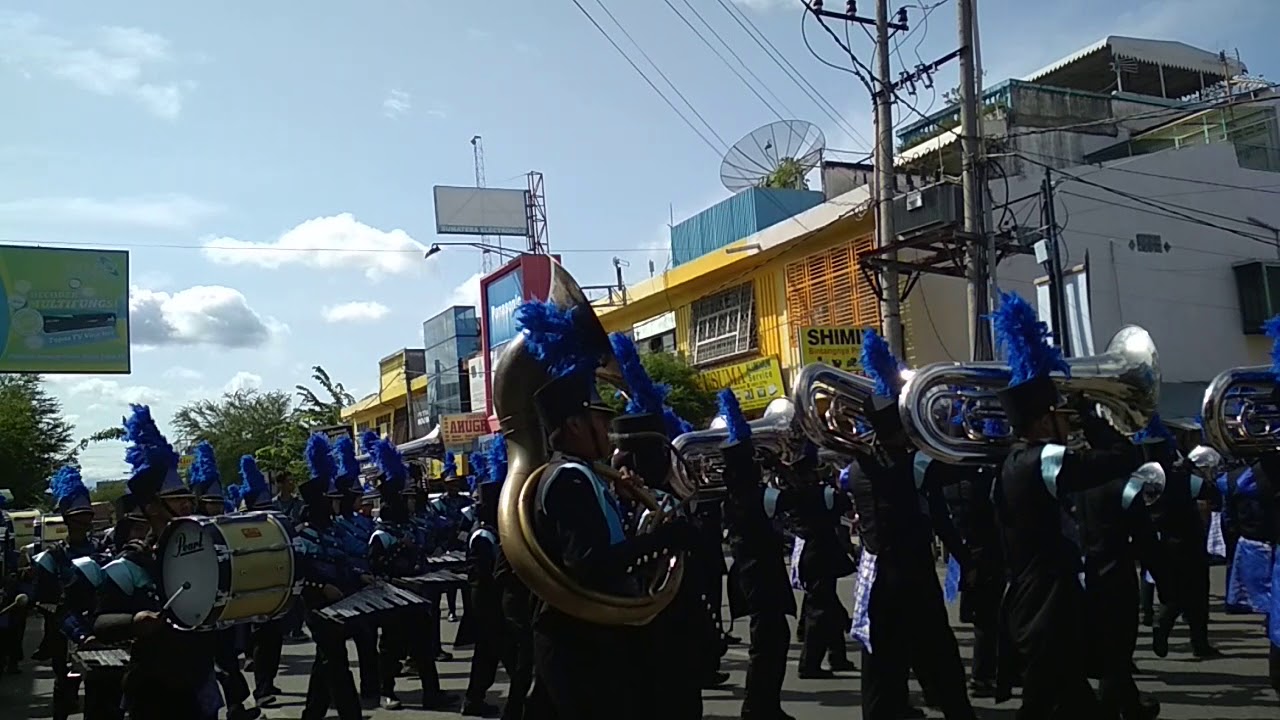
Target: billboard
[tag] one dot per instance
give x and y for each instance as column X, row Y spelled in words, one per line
column 68, row 310
column 504, row 296
column 481, row 211
column 836, row 345
column 756, row 382
column 527, row 277
column 458, row 431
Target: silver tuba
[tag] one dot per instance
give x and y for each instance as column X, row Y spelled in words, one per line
column 1125, row 381
column 829, row 404
column 1241, row 417
column 702, row 470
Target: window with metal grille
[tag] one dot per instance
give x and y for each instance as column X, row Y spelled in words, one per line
column 724, row 325
column 827, row 288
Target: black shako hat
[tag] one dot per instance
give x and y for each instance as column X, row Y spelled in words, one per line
column 1029, row 401
column 882, row 413
column 568, row 396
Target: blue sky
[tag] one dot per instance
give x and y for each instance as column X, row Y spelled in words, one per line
column 314, row 133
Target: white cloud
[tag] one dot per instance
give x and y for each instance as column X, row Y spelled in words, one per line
column 103, row 392
column 468, row 293
column 201, row 315
column 337, row 242
column 244, row 380
column 761, row 5
column 164, row 212
column 111, row 61
column 178, row 372
column 397, row 103
column 356, row 311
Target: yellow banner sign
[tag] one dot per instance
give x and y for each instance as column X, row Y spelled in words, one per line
column 755, row 382
column 184, row 465
column 458, row 431
column 838, row 346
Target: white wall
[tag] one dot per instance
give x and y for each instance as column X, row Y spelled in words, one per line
column 1186, row 298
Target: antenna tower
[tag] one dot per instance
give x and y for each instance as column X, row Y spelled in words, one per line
column 477, row 152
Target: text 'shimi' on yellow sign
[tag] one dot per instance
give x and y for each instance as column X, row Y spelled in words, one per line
column 755, row 382
column 837, row 346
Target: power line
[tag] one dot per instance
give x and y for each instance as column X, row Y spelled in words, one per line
column 1266, row 189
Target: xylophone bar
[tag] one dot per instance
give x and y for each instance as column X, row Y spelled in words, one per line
column 451, row 559
column 433, row 582
column 95, row 660
column 374, row 599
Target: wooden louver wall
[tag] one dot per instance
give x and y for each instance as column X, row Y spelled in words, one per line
column 827, row 288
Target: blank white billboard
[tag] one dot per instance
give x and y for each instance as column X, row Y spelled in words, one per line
column 481, row 211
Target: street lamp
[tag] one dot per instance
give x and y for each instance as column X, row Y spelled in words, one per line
column 1275, row 231
column 438, row 246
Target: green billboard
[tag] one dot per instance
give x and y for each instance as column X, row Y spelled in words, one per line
column 67, row 310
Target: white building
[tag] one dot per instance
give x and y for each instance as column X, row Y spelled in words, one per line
column 1166, row 166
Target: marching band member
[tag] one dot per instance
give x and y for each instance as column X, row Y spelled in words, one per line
column 1115, row 532
column 170, row 673
column 206, row 482
column 899, row 614
column 328, row 576
column 1042, row 608
column 485, row 610
column 354, row 531
column 393, row 552
column 450, row 507
column 55, row 570
column 517, row 616
column 759, row 573
column 584, row 670
column 1183, row 537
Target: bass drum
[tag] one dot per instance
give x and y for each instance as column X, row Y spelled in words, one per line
column 216, row 572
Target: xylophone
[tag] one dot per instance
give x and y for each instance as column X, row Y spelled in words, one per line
column 377, row 598
column 447, row 560
column 437, row 581
column 100, row 660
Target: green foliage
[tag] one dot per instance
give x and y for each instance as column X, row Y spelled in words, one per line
column 318, row 412
column 789, row 175
column 687, row 397
column 107, row 492
column 35, row 438
column 244, row 422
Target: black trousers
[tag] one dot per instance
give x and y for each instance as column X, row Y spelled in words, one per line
column 825, row 621
column 587, row 672
column 517, row 649
column 981, row 606
column 226, row 667
column 1189, row 598
column 486, row 619
column 103, row 692
column 910, row 627
column 408, row 634
column 766, row 665
column 268, row 642
column 66, row 690
column 164, row 703
column 1273, row 668
column 13, row 638
column 331, row 683
column 364, row 632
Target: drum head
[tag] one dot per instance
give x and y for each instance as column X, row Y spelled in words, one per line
column 189, row 557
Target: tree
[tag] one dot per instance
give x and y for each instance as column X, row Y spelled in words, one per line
column 687, row 396
column 245, row 422
column 35, row 438
column 316, row 412
column 108, row 492
column 789, row 175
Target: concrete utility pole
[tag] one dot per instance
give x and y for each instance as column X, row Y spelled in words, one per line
column 971, row 183
column 886, row 185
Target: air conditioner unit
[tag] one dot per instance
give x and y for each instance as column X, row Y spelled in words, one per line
column 930, row 209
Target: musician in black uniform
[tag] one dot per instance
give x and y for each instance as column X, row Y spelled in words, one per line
column 900, row 616
column 170, row 673
column 354, row 530
column 1183, row 539
column 517, row 605
column 393, row 552
column 758, row 577
column 1042, row 611
column 1116, row 531
column 485, row 609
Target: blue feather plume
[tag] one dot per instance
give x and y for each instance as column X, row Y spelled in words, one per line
column 252, row 482
column 1156, row 430
column 320, row 458
column 233, row 496
column 344, row 452
column 147, row 447
column 553, row 334
column 479, row 466
column 1272, row 329
column 66, row 483
column 994, row 427
column 450, row 466
column 880, row 365
column 739, row 430
column 368, row 439
column 1025, row 341
column 676, row 425
column 498, row 459
column 204, row 468
column 391, row 464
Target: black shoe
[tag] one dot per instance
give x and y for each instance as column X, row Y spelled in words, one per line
column 913, row 713
column 438, row 700
column 443, row 656
column 1207, row 652
column 1160, row 642
column 297, row 637
column 453, row 617
column 715, row 680
column 815, row 674
column 240, row 712
column 480, row 708
column 845, row 665
column 982, row 688
column 264, row 697
column 1148, row 619
column 732, row 639
column 390, row 702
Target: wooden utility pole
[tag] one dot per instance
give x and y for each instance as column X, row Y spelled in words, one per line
column 978, row 272
column 886, row 185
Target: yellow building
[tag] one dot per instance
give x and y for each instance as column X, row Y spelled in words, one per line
column 401, row 376
column 750, row 313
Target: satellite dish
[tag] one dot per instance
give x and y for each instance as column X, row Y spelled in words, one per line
column 778, row 155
